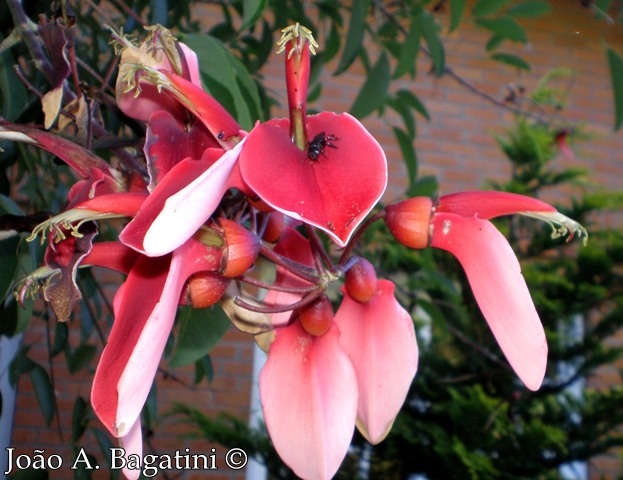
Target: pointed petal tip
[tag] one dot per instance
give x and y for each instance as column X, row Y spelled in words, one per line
column 309, row 396
column 500, row 290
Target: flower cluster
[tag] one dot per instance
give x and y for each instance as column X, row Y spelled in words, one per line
column 214, row 199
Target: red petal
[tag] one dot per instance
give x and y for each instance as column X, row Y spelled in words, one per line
column 213, row 115
column 183, row 201
column 500, row 290
column 145, row 309
column 335, row 192
column 490, row 204
column 74, row 155
column 167, row 143
column 309, row 397
column 379, row 338
column 113, row 255
column 178, row 178
column 126, row 204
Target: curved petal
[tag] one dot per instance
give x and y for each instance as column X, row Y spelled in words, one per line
column 168, row 142
column 113, row 255
column 180, row 204
column 144, row 315
column 379, row 338
column 334, row 192
column 181, row 176
column 495, row 277
column 124, row 204
column 132, row 444
column 309, row 397
column 213, row 115
column 490, row 204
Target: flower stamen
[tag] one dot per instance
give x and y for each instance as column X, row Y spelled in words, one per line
column 292, row 34
column 562, row 226
column 70, row 220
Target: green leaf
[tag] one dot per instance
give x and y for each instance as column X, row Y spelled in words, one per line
column 406, row 112
column 8, row 205
column 424, row 186
column 409, row 50
column 374, row 90
column 226, row 79
column 405, row 142
column 158, row 12
column 200, row 330
column 61, row 333
column 332, row 44
column 251, row 11
column 8, row 264
column 13, row 97
column 494, row 42
column 616, row 74
column 504, row 26
column 79, row 419
column 43, row 391
column 354, row 35
column 530, row 9
column 430, row 32
column 457, row 7
column 411, row 99
column 483, row 8
column 104, row 443
column 203, row 368
column 20, row 365
column 512, row 60
column 80, row 357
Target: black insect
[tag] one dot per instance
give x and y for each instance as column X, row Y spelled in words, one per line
column 318, row 144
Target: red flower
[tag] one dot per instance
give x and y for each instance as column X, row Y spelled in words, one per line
column 459, row 224
column 314, row 388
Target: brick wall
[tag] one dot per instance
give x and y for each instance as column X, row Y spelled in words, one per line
column 457, row 146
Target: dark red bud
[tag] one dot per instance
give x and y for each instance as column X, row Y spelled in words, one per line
column 241, row 248
column 206, row 288
column 409, row 221
column 360, row 280
column 316, row 317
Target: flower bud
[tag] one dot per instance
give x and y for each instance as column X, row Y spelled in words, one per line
column 360, row 280
column 409, row 221
column 275, row 224
column 241, row 248
column 205, row 289
column 316, row 317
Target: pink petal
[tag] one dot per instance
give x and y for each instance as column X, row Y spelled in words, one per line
column 490, row 204
column 144, row 315
column 500, row 290
column 334, row 193
column 379, row 338
column 150, row 98
column 308, row 391
column 170, row 221
column 178, row 178
column 132, row 444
